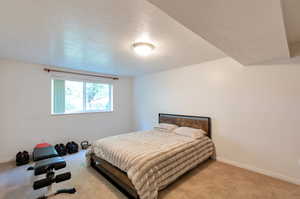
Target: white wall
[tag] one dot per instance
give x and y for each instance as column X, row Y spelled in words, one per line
column 25, row 106
column 255, row 111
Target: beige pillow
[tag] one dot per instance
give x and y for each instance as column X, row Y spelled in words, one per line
column 190, row 132
column 165, row 127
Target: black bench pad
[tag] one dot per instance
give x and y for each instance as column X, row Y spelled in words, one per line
column 43, row 166
column 44, row 153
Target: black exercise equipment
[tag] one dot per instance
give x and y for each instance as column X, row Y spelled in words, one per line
column 50, row 179
column 22, row 158
column 48, row 166
column 85, row 144
column 44, row 153
column 43, row 166
column 72, row 147
column 61, row 149
column 69, row 191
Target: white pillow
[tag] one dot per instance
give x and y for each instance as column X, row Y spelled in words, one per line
column 165, row 127
column 190, row 132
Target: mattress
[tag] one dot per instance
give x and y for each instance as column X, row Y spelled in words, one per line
column 153, row 159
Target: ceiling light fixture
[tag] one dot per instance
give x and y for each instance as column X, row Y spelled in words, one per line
column 143, row 48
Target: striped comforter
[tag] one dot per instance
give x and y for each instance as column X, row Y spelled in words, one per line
column 153, row 159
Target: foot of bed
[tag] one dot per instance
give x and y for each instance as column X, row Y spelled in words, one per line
column 114, row 176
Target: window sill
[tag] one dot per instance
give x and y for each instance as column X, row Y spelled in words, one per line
column 79, row 113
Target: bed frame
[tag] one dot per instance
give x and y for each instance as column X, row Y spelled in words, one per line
column 120, row 178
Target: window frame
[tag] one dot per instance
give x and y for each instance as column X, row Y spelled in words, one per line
column 111, row 93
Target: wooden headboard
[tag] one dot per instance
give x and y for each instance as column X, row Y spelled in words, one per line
column 197, row 122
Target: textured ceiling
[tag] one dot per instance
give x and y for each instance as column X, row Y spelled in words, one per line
column 96, row 35
column 249, row 31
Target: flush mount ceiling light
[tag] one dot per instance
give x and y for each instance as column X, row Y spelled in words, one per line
column 143, row 48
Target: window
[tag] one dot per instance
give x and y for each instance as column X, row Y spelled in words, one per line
column 70, row 96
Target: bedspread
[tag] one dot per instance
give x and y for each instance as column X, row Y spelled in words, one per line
column 153, row 159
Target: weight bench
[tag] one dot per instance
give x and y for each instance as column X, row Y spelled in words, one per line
column 47, row 163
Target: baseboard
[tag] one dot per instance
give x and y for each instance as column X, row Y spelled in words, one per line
column 4, row 161
column 261, row 171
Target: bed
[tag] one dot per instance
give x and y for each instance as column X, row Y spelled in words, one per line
column 142, row 163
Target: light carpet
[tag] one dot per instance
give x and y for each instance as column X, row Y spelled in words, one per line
column 211, row 180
